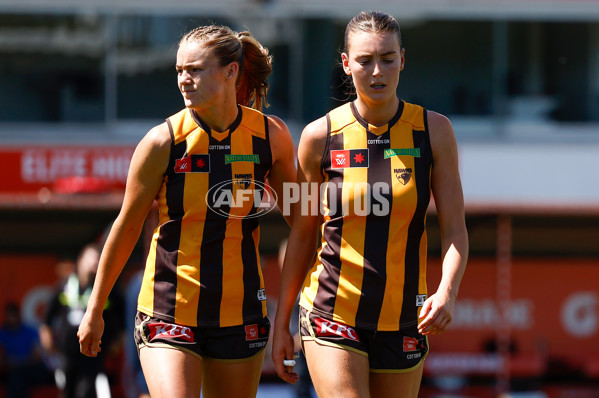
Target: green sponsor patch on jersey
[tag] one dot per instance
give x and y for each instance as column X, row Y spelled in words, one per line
column 242, row 158
column 402, row 152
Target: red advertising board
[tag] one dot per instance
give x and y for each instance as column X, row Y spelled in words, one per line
column 63, row 168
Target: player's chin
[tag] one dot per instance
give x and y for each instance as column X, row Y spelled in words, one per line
column 189, row 102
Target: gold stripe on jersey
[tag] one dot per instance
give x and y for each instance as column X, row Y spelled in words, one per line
column 145, row 298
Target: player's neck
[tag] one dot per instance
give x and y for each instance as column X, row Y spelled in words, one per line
column 377, row 113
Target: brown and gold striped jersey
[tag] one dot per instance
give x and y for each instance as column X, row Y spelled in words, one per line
column 370, row 270
column 203, row 268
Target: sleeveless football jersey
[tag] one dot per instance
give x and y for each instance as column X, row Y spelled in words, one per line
column 203, row 268
column 370, row 270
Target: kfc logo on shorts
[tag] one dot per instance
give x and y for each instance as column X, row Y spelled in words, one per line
column 410, row 344
column 170, row 331
column 330, row 328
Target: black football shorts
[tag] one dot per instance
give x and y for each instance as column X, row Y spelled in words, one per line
column 233, row 343
column 397, row 351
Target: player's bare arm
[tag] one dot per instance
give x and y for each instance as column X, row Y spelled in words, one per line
column 300, row 248
column 146, row 173
column 437, row 312
column 283, row 166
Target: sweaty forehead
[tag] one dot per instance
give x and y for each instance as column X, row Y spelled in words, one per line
column 372, row 42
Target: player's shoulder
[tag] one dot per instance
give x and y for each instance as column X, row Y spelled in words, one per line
column 312, row 144
column 276, row 122
column 155, row 146
column 441, row 134
column 437, row 121
column 315, row 131
column 279, row 135
column 277, row 128
column 439, row 126
column 159, row 137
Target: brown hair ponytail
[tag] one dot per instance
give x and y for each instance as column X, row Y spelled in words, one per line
column 256, row 66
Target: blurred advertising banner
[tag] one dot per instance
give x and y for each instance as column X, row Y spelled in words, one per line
column 553, row 317
column 64, row 169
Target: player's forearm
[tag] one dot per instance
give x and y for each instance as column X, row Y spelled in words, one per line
column 298, row 259
column 455, row 258
column 119, row 245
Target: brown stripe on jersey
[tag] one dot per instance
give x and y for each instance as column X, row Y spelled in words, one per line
column 165, row 274
column 375, row 236
column 211, row 251
column 416, row 231
column 252, row 278
column 330, row 253
column 252, row 275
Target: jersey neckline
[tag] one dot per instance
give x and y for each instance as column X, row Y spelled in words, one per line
column 219, row 136
column 378, row 130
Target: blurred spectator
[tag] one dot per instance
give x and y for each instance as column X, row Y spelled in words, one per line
column 76, row 375
column 20, row 355
column 64, row 268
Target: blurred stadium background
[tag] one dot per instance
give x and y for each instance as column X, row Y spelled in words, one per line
column 81, row 81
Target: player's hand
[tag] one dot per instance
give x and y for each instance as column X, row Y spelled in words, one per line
column 282, row 348
column 436, row 314
column 90, row 334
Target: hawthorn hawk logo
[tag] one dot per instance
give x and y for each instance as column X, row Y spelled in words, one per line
column 403, row 175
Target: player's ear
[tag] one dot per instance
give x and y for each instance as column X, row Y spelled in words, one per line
column 232, row 70
column 402, row 59
column 345, row 64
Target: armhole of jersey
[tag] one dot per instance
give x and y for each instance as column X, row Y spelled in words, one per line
column 171, row 160
column 427, row 133
column 267, row 138
column 326, row 146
